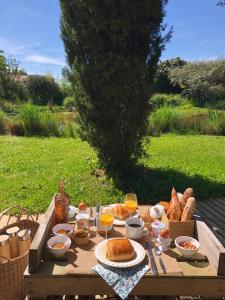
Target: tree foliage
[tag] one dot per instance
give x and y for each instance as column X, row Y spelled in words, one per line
column 203, row 81
column 10, row 87
column 43, row 90
column 112, row 50
column 162, row 82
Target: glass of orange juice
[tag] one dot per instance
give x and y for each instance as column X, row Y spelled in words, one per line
column 131, row 202
column 106, row 218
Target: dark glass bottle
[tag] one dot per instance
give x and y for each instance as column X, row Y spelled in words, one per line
column 62, row 201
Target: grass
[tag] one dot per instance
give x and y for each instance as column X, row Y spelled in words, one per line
column 30, row 169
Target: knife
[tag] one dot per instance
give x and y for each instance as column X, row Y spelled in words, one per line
column 151, row 258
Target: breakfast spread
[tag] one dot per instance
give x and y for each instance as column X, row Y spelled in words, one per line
column 119, row 250
column 149, row 224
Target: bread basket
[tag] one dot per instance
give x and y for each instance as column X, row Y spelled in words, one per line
column 11, row 270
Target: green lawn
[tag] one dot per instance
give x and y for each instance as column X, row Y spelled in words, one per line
column 30, row 169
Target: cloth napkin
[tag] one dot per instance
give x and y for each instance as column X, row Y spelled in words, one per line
column 121, row 280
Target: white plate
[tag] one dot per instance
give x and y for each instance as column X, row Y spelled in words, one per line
column 100, row 255
column 119, row 222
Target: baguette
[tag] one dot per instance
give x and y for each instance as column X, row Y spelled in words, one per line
column 189, row 209
column 174, row 211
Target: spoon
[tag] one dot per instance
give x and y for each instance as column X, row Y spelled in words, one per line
column 158, row 253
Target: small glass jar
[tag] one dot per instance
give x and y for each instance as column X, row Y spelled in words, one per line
column 83, row 222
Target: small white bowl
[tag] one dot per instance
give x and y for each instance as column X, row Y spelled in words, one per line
column 64, row 226
column 59, row 239
column 187, row 252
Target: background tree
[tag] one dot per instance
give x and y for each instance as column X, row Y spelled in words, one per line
column 43, row 90
column 112, row 50
column 162, row 82
column 203, row 81
column 11, row 88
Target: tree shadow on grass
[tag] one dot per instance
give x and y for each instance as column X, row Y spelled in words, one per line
column 152, row 185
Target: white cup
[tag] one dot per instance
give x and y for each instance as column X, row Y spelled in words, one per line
column 135, row 228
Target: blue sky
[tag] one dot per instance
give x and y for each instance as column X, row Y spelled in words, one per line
column 29, row 31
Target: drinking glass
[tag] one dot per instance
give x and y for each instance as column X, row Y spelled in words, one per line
column 106, row 218
column 131, row 202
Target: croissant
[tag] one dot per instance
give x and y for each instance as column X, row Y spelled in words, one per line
column 174, row 212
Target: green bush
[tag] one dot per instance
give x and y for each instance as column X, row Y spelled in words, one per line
column 70, row 129
column 49, row 124
column 69, row 103
column 30, row 117
column 15, row 127
column 158, row 100
column 173, row 119
column 2, row 122
column 37, row 122
column 43, row 90
column 165, row 119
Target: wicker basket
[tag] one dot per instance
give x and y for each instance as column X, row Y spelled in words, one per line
column 11, row 271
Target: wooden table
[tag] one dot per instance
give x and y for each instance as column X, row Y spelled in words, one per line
column 50, row 277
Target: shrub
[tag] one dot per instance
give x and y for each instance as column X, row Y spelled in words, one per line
column 43, row 90
column 165, row 119
column 37, row 122
column 69, row 103
column 30, row 117
column 15, row 127
column 2, row 122
column 49, row 124
column 158, row 100
column 170, row 119
column 70, row 129
column 112, row 51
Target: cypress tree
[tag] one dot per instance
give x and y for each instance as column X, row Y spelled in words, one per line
column 112, row 49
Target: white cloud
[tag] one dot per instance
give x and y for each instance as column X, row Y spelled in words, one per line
column 15, row 48
column 42, row 59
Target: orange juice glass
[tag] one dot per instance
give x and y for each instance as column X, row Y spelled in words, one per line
column 131, row 202
column 106, row 218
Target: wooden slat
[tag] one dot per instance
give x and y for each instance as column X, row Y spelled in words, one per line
column 212, row 227
column 216, row 205
column 170, row 286
column 211, row 246
column 36, row 248
column 215, row 217
column 208, row 210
